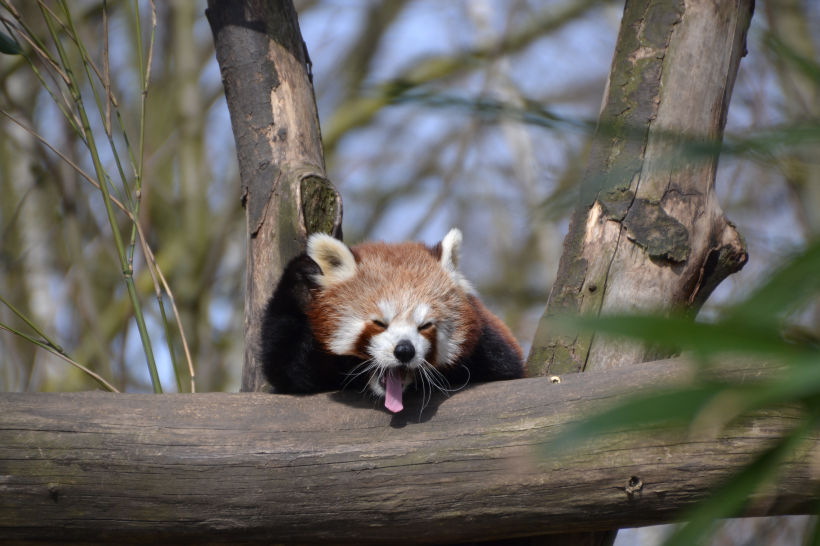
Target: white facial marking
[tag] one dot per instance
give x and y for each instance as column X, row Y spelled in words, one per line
column 345, row 337
column 420, row 313
column 375, row 385
column 388, row 311
column 447, row 348
column 382, row 347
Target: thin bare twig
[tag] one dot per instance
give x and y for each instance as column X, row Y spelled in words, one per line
column 150, row 46
column 149, row 255
column 106, row 73
column 50, row 63
column 51, row 350
column 74, row 39
column 146, row 249
column 64, row 158
column 179, row 323
column 39, row 51
column 158, row 292
column 65, row 28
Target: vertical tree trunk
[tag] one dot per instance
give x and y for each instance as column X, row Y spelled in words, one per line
column 647, row 234
column 286, row 194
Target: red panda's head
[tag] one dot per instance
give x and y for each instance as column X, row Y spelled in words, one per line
column 403, row 308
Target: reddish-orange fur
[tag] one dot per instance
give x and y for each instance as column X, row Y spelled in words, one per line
column 389, row 271
column 382, row 316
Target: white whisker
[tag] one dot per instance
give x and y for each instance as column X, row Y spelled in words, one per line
column 357, row 366
column 424, row 375
column 423, row 392
column 438, row 374
column 380, row 376
column 434, row 381
column 352, row 376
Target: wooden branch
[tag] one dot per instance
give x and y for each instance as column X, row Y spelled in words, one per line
column 648, row 234
column 285, row 191
column 245, row 468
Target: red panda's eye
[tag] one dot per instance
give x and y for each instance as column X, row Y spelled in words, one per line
column 425, row 326
column 380, row 324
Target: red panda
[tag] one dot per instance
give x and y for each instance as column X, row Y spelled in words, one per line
column 383, row 316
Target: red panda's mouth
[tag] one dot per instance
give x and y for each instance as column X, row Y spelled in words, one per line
column 401, row 370
column 393, row 386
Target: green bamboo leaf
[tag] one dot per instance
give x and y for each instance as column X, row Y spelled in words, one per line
column 670, row 407
column 703, row 338
column 795, row 383
column 730, row 498
column 9, row 46
column 787, row 288
column 807, row 66
column 698, row 404
column 814, row 540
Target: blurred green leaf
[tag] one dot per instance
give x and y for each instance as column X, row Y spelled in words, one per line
column 8, row 46
column 814, row 539
column 703, row 338
column 675, row 407
column 753, row 327
column 532, row 112
column 749, row 327
column 559, row 204
column 679, row 407
column 762, row 145
column 783, row 51
column 729, row 499
column 786, row 289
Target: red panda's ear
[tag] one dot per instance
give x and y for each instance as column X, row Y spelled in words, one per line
column 451, row 256
column 451, row 251
column 334, row 258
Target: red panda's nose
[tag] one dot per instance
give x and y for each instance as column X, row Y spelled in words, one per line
column 405, row 351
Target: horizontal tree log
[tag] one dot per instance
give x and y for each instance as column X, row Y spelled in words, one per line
column 242, row 468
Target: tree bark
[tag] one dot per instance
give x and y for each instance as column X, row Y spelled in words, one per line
column 240, row 468
column 647, row 234
column 285, row 191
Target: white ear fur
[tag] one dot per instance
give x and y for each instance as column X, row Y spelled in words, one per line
column 334, row 258
column 451, row 251
column 450, row 258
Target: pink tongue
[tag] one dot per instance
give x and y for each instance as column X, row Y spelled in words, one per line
column 392, row 400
